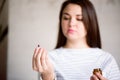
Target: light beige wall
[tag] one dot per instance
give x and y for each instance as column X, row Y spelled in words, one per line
column 109, row 19
column 33, row 22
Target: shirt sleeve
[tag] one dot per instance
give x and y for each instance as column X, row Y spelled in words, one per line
column 111, row 68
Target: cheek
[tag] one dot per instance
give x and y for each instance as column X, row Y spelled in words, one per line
column 64, row 26
column 82, row 30
column 63, row 23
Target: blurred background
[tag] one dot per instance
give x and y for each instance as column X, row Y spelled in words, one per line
column 26, row 23
column 3, row 38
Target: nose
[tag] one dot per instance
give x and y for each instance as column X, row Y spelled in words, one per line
column 72, row 22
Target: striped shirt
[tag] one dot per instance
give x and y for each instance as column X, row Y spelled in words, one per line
column 78, row 64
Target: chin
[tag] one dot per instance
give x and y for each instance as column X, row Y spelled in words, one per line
column 72, row 38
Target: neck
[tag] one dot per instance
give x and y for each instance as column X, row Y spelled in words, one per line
column 76, row 44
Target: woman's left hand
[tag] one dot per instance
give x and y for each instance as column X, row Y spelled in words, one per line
column 97, row 76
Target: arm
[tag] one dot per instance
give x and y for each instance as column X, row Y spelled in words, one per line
column 114, row 72
column 110, row 68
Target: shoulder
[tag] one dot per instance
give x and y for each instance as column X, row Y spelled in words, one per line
column 55, row 51
column 107, row 59
column 105, row 56
column 95, row 51
column 102, row 52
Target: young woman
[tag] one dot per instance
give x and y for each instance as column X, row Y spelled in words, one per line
column 78, row 50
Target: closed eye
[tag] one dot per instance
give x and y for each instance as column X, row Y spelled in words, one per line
column 79, row 19
column 66, row 18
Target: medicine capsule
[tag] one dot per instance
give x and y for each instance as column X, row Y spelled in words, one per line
column 97, row 70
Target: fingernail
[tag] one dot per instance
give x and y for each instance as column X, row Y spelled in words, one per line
column 97, row 73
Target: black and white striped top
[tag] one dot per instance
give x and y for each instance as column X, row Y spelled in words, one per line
column 78, row 64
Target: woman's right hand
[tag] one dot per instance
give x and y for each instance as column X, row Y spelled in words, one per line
column 42, row 64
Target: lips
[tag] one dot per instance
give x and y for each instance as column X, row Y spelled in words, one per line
column 71, row 30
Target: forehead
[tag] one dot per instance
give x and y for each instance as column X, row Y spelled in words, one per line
column 73, row 9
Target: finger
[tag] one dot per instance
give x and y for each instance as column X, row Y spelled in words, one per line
column 33, row 59
column 43, row 60
column 47, row 59
column 100, row 76
column 37, row 60
column 36, row 51
column 91, row 78
column 94, row 77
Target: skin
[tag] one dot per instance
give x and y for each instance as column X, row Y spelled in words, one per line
column 73, row 27
column 42, row 64
column 75, row 32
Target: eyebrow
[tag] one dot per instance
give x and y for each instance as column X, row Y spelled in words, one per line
column 69, row 14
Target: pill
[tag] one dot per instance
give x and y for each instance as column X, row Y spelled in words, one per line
column 38, row 45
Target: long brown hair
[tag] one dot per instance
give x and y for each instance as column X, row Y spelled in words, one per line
column 89, row 19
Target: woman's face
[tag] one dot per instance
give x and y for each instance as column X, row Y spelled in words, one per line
column 72, row 24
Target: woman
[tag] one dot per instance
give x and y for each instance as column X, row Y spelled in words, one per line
column 78, row 50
